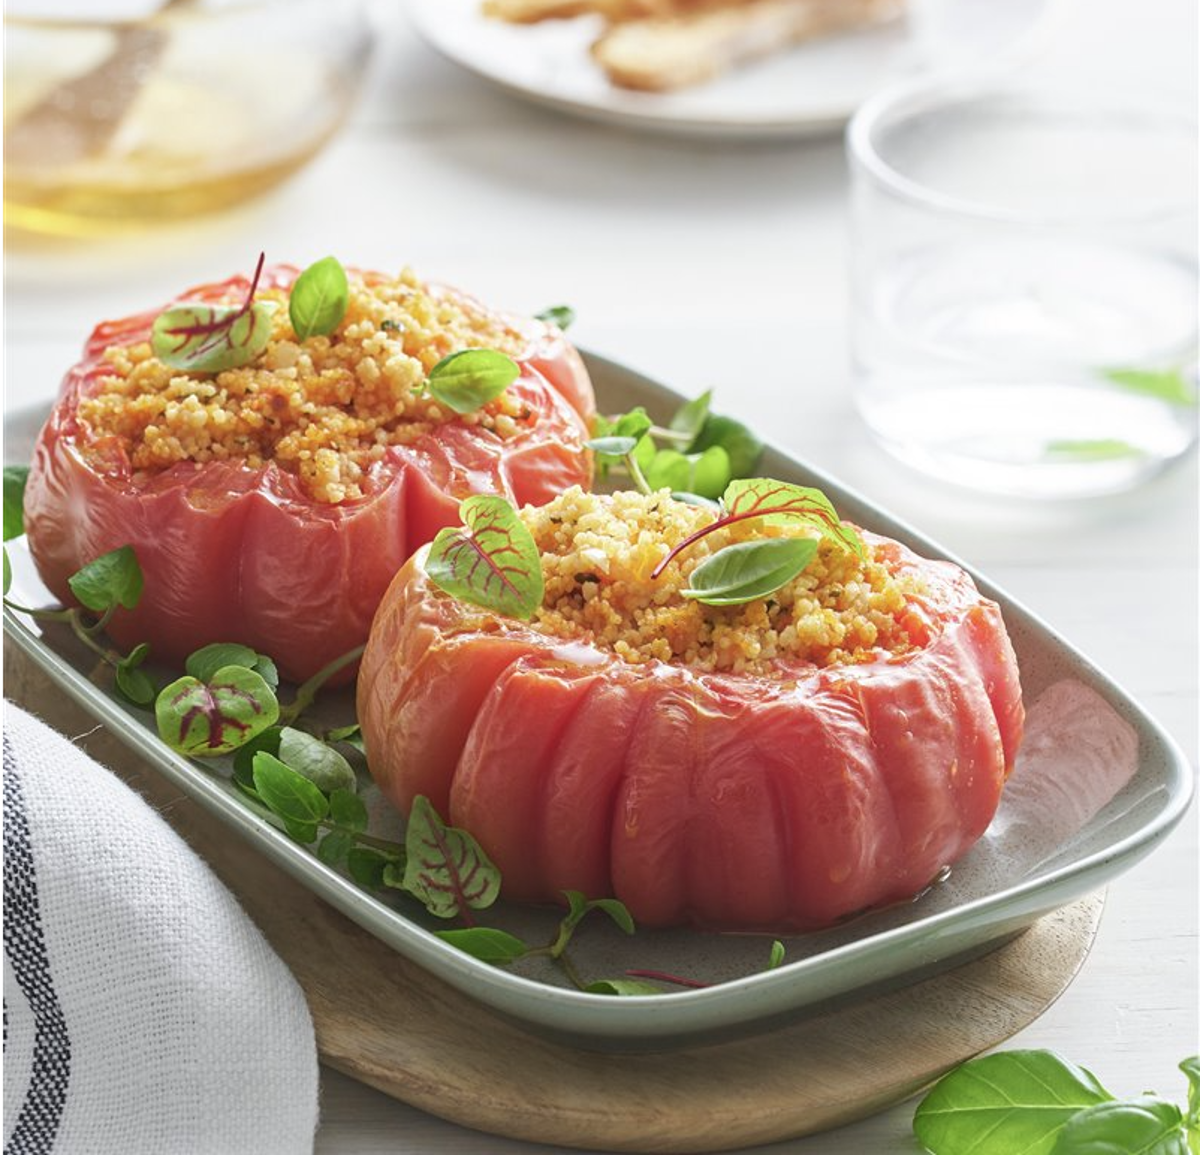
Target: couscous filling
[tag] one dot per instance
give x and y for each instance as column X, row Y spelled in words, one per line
column 323, row 409
column 598, row 553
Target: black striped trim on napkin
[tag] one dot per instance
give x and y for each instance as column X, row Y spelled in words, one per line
column 41, row 1112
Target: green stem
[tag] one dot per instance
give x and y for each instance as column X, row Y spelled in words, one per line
column 40, row 615
column 394, row 849
column 635, row 471
column 683, row 440
column 307, row 693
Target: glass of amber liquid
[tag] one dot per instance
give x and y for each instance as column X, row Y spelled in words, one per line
column 189, row 106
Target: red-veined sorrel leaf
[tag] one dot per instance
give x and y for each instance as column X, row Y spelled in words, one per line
column 202, row 719
column 204, row 338
column 493, row 562
column 775, row 503
column 447, row 869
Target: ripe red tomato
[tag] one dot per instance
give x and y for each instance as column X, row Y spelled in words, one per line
column 724, row 801
column 233, row 553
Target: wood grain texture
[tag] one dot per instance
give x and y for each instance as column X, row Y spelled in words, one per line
column 390, row 1024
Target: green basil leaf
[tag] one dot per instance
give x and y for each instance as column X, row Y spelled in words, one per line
column 690, row 417
column 15, row 477
column 1008, row 1101
column 743, row 447
column 206, row 661
column 1191, row 1068
column 612, row 446
column 319, row 298
column 200, row 338
column 334, row 847
column 470, row 378
column 561, row 315
column 1142, row 1126
column 366, row 867
column 616, row 910
column 112, row 579
column 1171, row 385
column 322, row 765
column 289, row 796
column 777, row 955
column 778, row 503
column 243, row 757
column 446, row 868
column 266, row 669
column 706, row 474
column 493, row 562
column 486, row 944
column 749, row 570
column 136, row 685
column 203, row 719
column 622, row 987
column 349, row 810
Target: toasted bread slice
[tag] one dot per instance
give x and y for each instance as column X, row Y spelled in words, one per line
column 660, row 55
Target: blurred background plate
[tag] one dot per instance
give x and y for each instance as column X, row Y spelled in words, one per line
column 808, row 90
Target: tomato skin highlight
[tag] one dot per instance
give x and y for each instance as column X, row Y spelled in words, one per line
column 231, row 553
column 716, row 800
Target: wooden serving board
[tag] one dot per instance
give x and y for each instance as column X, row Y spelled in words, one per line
column 387, row 1022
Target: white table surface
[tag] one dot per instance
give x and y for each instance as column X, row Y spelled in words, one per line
column 716, row 265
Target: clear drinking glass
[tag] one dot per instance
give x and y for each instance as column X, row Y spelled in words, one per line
column 1024, row 283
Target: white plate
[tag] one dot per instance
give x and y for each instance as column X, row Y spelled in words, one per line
column 808, row 90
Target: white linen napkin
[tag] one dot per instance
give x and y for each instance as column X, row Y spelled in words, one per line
column 143, row 1010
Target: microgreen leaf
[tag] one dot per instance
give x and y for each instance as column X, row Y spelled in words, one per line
column 447, row 869
column 348, row 810
column 578, row 905
column 706, row 474
column 749, row 570
column 215, row 717
column 614, row 437
column 318, row 299
column 466, row 380
column 204, row 338
column 243, row 757
column 1145, row 1126
column 334, row 847
column 113, row 579
column 616, row 910
column 486, row 944
column 366, row 867
column 137, row 686
column 690, row 417
column 777, row 955
column 1008, row 1101
column 779, row 503
column 322, row 765
column 206, row 661
column 622, row 987
column 612, row 446
column 351, row 735
column 743, row 447
column 1191, row 1068
column 493, row 562
column 7, row 572
column 561, row 315
column 15, row 477
column 1170, row 385
column 289, row 796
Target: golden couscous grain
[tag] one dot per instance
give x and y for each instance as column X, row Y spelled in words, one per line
column 324, row 408
column 598, row 553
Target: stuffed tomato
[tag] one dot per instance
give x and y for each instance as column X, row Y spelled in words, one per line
column 271, row 503
column 778, row 764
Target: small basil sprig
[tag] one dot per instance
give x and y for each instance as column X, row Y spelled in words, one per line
column 701, row 454
column 319, row 298
column 1037, row 1103
column 490, row 561
column 204, row 338
column 106, row 584
column 469, row 379
column 749, row 570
